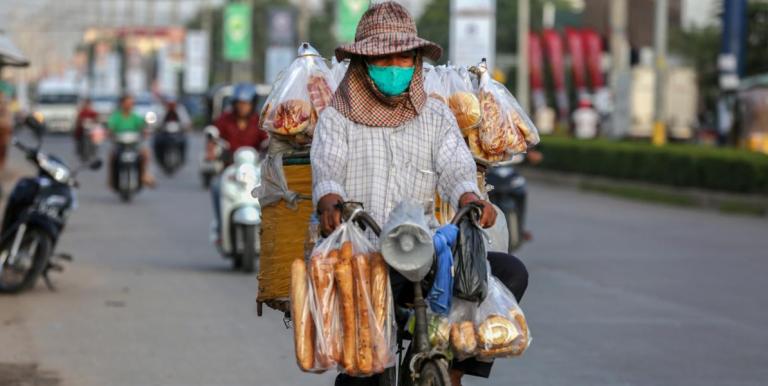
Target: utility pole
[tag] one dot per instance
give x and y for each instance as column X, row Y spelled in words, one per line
column 659, row 135
column 523, row 26
column 620, row 78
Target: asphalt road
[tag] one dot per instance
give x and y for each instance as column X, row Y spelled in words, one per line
column 621, row 293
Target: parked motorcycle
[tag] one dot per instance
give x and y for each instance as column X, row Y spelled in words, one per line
column 35, row 216
column 214, row 155
column 170, row 147
column 127, row 165
column 240, row 212
column 509, row 194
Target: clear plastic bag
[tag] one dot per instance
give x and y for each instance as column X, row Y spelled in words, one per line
column 462, row 99
column 506, row 129
column 433, row 83
column 463, row 334
column 502, row 330
column 352, row 304
column 339, row 69
column 303, row 324
column 299, row 95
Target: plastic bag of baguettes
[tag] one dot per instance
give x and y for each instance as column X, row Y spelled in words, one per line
column 461, row 98
column 502, row 330
column 342, row 302
column 505, row 129
column 298, row 96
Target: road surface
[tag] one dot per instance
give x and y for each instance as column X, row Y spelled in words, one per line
column 621, row 293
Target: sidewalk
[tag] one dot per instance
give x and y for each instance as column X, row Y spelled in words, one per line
column 747, row 204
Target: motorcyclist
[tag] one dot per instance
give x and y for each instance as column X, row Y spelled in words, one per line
column 239, row 127
column 125, row 120
column 383, row 140
column 175, row 113
column 85, row 114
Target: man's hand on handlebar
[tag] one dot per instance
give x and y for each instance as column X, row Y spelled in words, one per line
column 329, row 210
column 488, row 217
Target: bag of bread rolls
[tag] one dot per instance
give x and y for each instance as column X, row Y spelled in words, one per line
column 502, row 330
column 506, row 129
column 299, row 95
column 462, row 334
column 357, row 331
column 461, row 99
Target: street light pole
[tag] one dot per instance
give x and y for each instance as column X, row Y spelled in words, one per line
column 523, row 25
column 659, row 136
column 620, row 75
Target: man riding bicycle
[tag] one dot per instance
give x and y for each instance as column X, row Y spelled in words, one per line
column 383, row 140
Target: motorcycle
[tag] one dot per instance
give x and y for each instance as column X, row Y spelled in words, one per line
column 212, row 161
column 170, row 147
column 127, row 165
column 509, row 194
column 89, row 141
column 420, row 364
column 240, row 212
column 35, row 216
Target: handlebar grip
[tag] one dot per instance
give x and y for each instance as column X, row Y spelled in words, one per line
column 468, row 210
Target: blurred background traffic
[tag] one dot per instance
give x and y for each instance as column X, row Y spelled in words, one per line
column 661, row 101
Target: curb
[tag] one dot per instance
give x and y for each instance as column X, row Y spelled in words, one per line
column 750, row 204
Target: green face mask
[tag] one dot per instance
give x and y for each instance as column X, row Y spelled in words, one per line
column 391, row 80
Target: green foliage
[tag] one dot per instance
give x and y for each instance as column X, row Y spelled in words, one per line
column 756, row 60
column 321, row 30
column 434, row 25
column 729, row 170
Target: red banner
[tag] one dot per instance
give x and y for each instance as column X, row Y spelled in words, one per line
column 554, row 47
column 593, row 47
column 576, row 50
column 535, row 61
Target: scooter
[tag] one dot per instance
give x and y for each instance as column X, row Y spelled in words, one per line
column 509, row 194
column 170, row 147
column 126, row 165
column 240, row 212
column 212, row 161
column 35, row 216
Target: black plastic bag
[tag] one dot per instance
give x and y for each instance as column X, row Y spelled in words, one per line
column 470, row 280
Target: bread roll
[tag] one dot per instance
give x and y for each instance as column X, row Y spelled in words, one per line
column 466, row 109
column 345, row 291
column 361, row 269
column 303, row 328
column 381, row 306
column 496, row 331
column 463, row 338
column 321, row 271
column 292, row 116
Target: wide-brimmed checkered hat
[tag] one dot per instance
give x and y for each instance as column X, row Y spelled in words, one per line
column 387, row 28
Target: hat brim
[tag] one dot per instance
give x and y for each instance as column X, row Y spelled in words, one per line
column 391, row 43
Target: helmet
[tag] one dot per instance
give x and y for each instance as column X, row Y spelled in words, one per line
column 243, row 92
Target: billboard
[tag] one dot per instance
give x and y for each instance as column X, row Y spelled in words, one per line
column 473, row 32
column 348, row 14
column 237, row 32
column 196, row 62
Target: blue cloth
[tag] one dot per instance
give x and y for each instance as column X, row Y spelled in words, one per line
column 442, row 289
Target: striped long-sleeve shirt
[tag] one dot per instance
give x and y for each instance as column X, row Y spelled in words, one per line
column 382, row 166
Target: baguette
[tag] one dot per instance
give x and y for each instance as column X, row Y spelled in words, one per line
column 321, row 271
column 303, row 328
column 345, row 288
column 380, row 302
column 362, row 270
